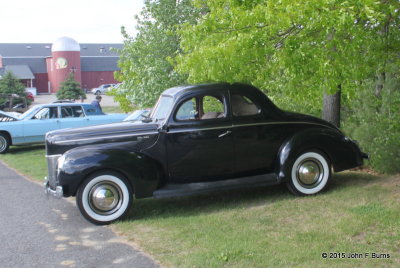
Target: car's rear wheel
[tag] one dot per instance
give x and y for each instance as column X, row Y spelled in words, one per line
column 104, row 197
column 309, row 174
column 4, row 143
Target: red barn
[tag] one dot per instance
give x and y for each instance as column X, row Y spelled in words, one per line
column 43, row 67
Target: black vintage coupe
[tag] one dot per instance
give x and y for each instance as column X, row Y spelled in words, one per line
column 197, row 139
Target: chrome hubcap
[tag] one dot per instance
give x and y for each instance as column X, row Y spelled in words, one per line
column 3, row 144
column 105, row 198
column 309, row 173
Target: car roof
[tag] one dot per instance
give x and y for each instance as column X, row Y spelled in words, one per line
column 179, row 90
column 65, row 104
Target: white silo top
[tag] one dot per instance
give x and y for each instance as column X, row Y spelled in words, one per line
column 65, row 44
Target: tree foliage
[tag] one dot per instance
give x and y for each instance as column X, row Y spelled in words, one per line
column 70, row 89
column 375, row 122
column 294, row 49
column 146, row 59
column 10, row 84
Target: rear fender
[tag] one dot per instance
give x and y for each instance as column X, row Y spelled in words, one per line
column 342, row 152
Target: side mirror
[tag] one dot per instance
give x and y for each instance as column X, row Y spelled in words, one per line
column 163, row 129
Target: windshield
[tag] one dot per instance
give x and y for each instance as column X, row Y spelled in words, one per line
column 30, row 112
column 137, row 115
column 162, row 108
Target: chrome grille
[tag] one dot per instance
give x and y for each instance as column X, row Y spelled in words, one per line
column 52, row 169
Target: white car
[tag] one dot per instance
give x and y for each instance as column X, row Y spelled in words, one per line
column 102, row 89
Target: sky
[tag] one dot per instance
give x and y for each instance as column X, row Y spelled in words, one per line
column 86, row 21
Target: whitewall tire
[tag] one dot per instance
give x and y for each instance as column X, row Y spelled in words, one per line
column 104, row 197
column 309, row 174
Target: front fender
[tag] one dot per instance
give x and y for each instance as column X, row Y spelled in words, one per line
column 342, row 152
column 143, row 172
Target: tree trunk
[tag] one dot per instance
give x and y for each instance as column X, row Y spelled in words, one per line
column 331, row 108
column 380, row 81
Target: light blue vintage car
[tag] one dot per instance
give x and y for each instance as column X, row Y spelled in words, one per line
column 31, row 126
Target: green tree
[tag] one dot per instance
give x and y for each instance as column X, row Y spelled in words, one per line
column 70, row 89
column 146, row 66
column 10, row 84
column 296, row 50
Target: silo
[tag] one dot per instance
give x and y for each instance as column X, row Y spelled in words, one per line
column 65, row 59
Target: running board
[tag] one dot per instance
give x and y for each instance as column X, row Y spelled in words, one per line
column 175, row 190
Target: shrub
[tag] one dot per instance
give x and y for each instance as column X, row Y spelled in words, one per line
column 375, row 123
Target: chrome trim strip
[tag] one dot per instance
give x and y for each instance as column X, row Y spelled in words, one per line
column 244, row 125
column 198, row 129
column 53, row 156
column 194, row 129
column 280, row 123
column 107, row 137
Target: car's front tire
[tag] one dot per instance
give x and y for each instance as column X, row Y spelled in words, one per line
column 4, row 143
column 104, row 197
column 309, row 174
column 98, row 93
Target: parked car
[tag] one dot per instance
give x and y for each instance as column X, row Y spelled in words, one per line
column 198, row 139
column 63, row 101
column 138, row 115
column 15, row 102
column 31, row 126
column 102, row 89
column 29, row 95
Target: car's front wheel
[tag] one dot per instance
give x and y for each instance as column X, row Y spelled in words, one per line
column 98, row 93
column 104, row 197
column 310, row 174
column 4, row 143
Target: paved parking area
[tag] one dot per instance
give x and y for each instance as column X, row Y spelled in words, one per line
column 48, row 98
column 36, row 232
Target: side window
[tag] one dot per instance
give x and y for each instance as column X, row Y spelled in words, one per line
column 71, row 111
column 46, row 113
column 77, row 111
column 201, row 108
column 243, row 106
column 91, row 111
column 212, row 108
column 187, row 110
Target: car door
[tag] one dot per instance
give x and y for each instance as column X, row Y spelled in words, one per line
column 199, row 141
column 72, row 116
column 43, row 121
column 256, row 134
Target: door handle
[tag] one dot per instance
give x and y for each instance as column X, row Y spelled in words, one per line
column 224, row 134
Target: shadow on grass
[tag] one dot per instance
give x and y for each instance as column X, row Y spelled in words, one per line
column 25, row 148
column 226, row 200
column 205, row 203
column 344, row 180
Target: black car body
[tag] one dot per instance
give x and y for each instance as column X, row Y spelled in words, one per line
column 197, row 139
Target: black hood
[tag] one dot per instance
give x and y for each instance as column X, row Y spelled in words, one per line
column 61, row 140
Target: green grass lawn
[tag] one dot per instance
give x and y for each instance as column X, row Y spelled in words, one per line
column 112, row 109
column 265, row 227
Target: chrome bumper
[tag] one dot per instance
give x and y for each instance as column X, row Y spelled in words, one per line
column 365, row 156
column 58, row 193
